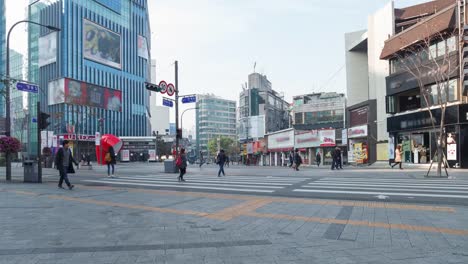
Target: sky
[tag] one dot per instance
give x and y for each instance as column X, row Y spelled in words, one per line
column 297, row 44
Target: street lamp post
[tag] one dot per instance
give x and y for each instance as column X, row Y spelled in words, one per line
column 7, row 87
column 182, row 116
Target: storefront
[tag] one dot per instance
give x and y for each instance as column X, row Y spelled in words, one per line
column 280, row 144
column 418, row 139
column 309, row 143
column 358, row 145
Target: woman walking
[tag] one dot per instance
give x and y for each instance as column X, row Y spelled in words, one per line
column 110, row 161
column 318, row 158
column 181, row 163
column 397, row 157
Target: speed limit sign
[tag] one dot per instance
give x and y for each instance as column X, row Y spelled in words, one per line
column 163, row 86
column 170, row 89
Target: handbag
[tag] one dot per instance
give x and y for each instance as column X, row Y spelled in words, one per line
column 71, row 170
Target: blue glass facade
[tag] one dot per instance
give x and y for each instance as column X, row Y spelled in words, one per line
column 2, row 54
column 128, row 19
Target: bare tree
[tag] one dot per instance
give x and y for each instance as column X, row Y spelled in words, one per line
column 422, row 61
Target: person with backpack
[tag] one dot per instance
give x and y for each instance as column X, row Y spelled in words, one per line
column 297, row 159
column 110, row 161
column 64, row 164
column 221, row 161
column 181, row 163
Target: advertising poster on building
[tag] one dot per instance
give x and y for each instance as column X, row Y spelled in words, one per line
column 391, row 147
column 283, row 141
column 327, row 138
column 152, row 154
column 344, row 137
column 101, row 45
column 56, row 91
column 125, row 155
column 307, row 139
column 451, row 151
column 80, row 93
column 250, row 148
column 357, row 132
column 48, row 49
column 142, row 47
column 358, row 153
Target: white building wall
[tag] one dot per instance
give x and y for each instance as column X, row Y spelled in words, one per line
column 357, row 72
column 159, row 118
column 381, row 25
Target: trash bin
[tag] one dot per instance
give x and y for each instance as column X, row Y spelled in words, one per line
column 170, row 167
column 30, row 171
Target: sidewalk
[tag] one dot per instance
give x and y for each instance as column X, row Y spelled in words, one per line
column 42, row 224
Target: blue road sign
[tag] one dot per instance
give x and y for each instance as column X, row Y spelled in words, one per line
column 34, row 120
column 27, row 87
column 189, row 99
column 168, row 103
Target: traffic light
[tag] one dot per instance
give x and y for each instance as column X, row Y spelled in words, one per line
column 179, row 133
column 42, row 122
column 152, row 87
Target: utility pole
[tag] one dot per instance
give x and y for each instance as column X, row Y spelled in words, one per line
column 177, row 103
column 39, row 144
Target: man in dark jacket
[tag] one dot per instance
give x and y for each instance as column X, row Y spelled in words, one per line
column 297, row 159
column 221, row 160
column 63, row 162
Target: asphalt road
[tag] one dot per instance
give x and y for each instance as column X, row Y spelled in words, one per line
column 390, row 185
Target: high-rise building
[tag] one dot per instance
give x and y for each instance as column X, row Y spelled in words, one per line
column 18, row 107
column 93, row 71
column 215, row 117
column 2, row 61
column 258, row 99
column 160, row 119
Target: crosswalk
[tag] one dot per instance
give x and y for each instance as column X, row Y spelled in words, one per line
column 254, row 184
column 436, row 188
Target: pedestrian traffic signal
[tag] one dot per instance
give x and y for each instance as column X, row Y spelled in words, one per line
column 179, row 133
column 42, row 122
column 152, row 87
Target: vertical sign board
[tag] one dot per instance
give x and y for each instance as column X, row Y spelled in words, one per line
column 451, row 151
column 125, row 155
column 391, row 147
column 98, row 139
column 152, row 154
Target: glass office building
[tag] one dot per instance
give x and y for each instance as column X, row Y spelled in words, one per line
column 92, row 73
column 2, row 55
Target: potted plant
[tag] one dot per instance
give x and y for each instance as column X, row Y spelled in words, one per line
column 9, row 146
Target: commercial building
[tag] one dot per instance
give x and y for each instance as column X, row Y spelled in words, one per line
column 215, row 117
column 259, row 99
column 366, row 88
column 431, row 39
column 93, row 71
column 314, row 114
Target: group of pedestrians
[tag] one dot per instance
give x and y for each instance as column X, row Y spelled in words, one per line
column 336, row 162
column 64, row 163
column 295, row 160
column 181, row 163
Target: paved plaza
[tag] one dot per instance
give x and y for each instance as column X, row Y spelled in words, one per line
column 104, row 222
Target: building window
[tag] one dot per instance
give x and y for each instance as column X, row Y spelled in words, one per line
column 451, row 44
column 433, row 51
column 441, row 48
column 452, row 95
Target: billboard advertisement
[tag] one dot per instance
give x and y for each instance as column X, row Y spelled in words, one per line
column 327, row 138
column 252, row 127
column 143, row 47
column 48, row 49
column 282, row 141
column 307, row 139
column 71, row 91
column 56, row 93
column 101, row 45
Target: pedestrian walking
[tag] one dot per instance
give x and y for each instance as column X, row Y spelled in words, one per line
column 202, row 161
column 397, row 157
column 181, row 163
column 338, row 159
column 297, row 160
column 221, row 160
column 318, row 158
column 110, row 160
column 227, row 161
column 291, row 159
column 64, row 163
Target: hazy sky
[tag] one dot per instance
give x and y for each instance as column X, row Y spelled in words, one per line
column 298, row 44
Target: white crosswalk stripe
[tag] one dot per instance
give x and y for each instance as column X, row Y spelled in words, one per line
column 256, row 184
column 443, row 188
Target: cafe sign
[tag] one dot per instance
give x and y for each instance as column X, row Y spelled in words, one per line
column 357, row 132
